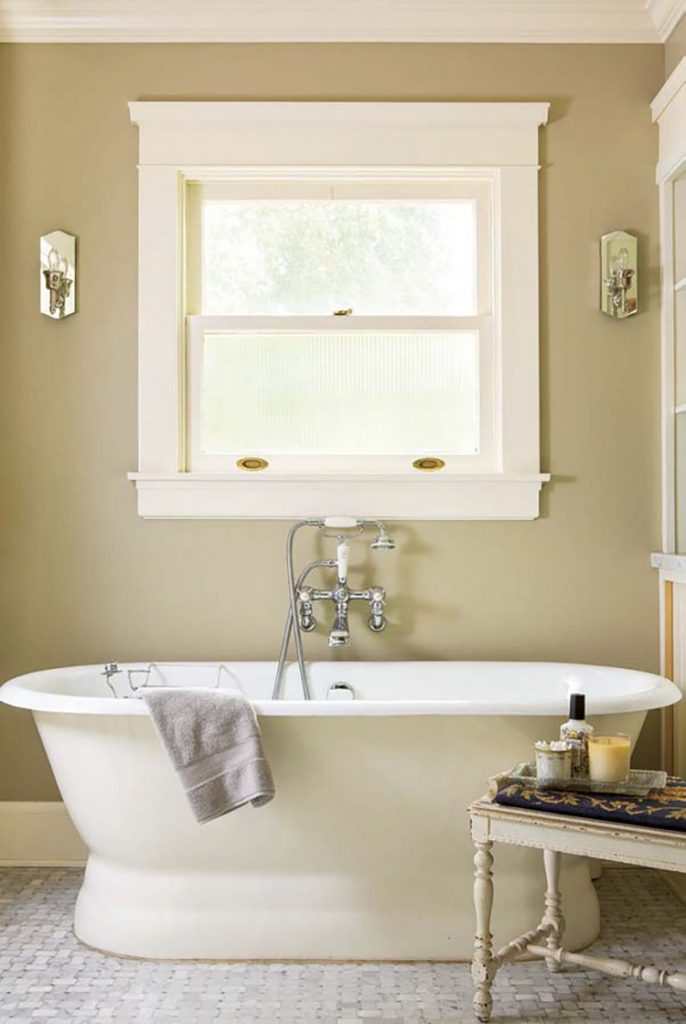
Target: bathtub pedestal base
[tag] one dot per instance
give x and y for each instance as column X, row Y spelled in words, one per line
column 158, row 914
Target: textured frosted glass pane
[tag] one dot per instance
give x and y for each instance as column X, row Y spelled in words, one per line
column 309, row 259
column 376, row 393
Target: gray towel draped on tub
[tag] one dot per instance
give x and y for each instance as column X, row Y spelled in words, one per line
column 213, row 740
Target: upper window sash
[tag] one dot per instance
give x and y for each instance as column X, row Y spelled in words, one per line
column 461, row 186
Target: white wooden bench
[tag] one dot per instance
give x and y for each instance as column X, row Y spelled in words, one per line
column 555, row 834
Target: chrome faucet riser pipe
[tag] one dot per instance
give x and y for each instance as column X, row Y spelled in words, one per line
column 295, row 624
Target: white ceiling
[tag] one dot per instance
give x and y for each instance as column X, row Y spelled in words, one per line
column 534, row 21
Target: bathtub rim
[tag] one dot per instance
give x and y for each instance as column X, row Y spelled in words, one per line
column 663, row 693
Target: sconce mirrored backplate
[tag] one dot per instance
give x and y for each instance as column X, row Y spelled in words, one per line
column 58, row 275
column 619, row 274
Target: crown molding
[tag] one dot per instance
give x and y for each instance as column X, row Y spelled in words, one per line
column 495, row 21
column 666, row 15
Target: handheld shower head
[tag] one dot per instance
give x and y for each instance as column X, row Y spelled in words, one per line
column 383, row 540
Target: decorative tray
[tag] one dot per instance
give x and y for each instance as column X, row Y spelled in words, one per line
column 640, row 782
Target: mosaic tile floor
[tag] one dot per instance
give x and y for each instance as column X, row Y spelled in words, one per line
column 45, row 975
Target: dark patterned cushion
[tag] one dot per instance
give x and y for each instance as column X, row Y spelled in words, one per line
column 665, row 808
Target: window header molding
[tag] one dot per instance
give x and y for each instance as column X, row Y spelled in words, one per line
column 182, row 142
column 249, row 133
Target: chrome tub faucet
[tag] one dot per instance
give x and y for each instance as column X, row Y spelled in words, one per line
column 341, row 595
column 301, row 617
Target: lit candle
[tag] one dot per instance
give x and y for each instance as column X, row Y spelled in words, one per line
column 609, row 758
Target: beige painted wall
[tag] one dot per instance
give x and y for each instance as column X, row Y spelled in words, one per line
column 85, row 580
column 675, row 47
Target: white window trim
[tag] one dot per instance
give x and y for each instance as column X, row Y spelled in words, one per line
column 192, row 141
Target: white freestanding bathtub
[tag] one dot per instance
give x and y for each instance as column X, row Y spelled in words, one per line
column 364, row 853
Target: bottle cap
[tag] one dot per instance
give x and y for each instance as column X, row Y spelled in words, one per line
column 577, row 706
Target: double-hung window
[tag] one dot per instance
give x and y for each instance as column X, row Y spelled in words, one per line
column 340, row 326
column 334, row 335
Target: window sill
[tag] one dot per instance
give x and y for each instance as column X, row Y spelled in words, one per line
column 269, row 496
column 670, row 566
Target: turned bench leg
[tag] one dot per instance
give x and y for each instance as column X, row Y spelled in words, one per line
column 553, row 905
column 483, row 968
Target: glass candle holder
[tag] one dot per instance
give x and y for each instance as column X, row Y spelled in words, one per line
column 609, row 758
column 553, row 761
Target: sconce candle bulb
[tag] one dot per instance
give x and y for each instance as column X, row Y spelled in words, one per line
column 621, row 260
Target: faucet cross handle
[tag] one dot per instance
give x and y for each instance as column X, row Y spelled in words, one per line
column 305, row 609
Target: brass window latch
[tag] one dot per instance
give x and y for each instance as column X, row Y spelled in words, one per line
column 429, row 464
column 343, row 312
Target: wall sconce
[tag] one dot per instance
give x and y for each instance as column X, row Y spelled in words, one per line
column 58, row 275
column 619, row 274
